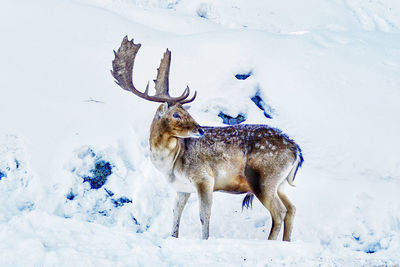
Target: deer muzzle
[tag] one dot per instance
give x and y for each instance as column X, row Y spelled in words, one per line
column 197, row 132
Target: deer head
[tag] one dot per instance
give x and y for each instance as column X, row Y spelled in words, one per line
column 176, row 121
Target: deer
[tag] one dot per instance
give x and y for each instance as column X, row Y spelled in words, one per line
column 256, row 160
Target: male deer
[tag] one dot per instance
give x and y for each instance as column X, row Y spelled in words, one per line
column 253, row 159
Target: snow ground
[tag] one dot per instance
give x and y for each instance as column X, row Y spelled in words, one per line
column 329, row 69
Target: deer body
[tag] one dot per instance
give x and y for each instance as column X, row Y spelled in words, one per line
column 253, row 159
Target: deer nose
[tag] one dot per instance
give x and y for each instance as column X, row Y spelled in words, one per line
column 201, row 132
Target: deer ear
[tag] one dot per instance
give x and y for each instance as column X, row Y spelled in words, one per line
column 162, row 110
column 165, row 107
column 186, row 107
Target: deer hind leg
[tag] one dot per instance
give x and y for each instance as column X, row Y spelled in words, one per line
column 180, row 202
column 278, row 211
column 205, row 191
column 266, row 192
column 291, row 211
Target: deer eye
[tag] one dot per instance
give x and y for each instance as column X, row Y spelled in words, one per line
column 176, row 115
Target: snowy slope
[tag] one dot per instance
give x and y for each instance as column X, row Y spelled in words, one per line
column 329, row 70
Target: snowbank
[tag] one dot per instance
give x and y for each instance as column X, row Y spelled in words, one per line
column 76, row 183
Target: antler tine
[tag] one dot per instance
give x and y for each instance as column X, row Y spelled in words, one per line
column 162, row 80
column 123, row 69
column 146, row 92
column 190, row 99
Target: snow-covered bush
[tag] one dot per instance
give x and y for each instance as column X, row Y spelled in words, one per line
column 243, row 76
column 227, row 119
column 260, row 103
column 15, row 178
column 100, row 191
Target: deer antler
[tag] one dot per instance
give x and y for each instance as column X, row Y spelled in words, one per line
column 123, row 68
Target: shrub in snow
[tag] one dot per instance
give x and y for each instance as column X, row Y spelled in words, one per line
column 368, row 242
column 94, row 169
column 206, row 11
column 100, row 172
column 260, row 103
column 369, row 232
column 243, row 76
column 70, row 196
column 2, row 174
column 372, row 248
column 121, row 201
column 15, row 178
column 227, row 119
column 99, row 190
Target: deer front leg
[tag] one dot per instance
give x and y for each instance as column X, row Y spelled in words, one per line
column 205, row 191
column 180, row 202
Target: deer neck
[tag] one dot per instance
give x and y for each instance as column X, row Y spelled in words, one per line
column 164, row 149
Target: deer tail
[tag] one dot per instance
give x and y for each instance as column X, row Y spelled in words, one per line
column 297, row 164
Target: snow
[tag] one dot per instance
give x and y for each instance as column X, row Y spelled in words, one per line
column 328, row 71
